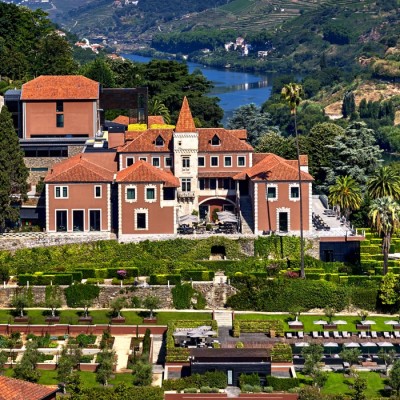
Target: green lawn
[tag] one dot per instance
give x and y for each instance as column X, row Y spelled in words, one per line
column 309, row 326
column 88, row 379
column 38, row 317
column 338, row 383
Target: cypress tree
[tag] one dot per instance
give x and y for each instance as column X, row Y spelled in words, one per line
column 349, row 105
column 13, row 174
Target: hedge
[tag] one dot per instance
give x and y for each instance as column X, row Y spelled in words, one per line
column 63, row 279
column 87, row 273
column 258, row 326
column 197, row 275
column 163, row 279
column 281, row 352
column 282, row 384
column 130, row 272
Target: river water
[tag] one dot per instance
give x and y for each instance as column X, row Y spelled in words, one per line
column 233, row 88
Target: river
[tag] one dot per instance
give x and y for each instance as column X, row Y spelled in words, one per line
column 233, row 88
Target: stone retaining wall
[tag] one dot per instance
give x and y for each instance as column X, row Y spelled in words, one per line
column 216, row 295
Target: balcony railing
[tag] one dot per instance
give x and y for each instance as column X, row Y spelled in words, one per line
column 185, row 195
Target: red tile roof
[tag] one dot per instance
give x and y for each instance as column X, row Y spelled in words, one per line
column 60, row 87
column 228, row 141
column 83, row 168
column 155, row 119
column 239, row 133
column 146, row 142
column 142, row 171
column 15, row 389
column 274, row 168
column 121, row 119
column 185, row 121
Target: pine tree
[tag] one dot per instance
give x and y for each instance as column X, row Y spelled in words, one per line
column 349, row 105
column 13, row 174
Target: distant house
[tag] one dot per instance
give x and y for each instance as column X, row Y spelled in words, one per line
column 16, row 389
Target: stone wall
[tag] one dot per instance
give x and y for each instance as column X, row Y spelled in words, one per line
column 216, row 295
column 40, row 162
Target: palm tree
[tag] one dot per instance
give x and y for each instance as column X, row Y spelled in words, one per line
column 385, row 217
column 292, row 93
column 156, row 107
column 346, row 194
column 385, row 182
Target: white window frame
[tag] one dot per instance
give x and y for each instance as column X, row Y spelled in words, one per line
column 186, row 182
column 155, row 193
column 271, row 185
column 293, row 185
column 211, row 164
column 204, row 162
column 88, row 219
column 101, row 191
column 185, row 158
column 244, row 158
column 55, row 219
column 225, row 158
column 126, row 161
column 141, row 211
column 159, row 162
column 61, row 192
column 126, row 194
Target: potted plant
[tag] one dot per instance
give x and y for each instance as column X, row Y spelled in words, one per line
column 117, row 305
column 20, row 301
column 151, row 303
column 53, row 302
column 329, row 314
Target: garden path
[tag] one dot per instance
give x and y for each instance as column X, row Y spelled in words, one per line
column 122, row 344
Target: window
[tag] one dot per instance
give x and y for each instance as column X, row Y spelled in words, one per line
column 141, row 220
column 129, row 161
column 131, row 194
column 213, row 183
column 60, row 120
column 294, row 193
column 169, row 193
column 241, row 161
column 202, row 183
column 159, row 141
column 61, row 192
column 143, row 159
column 201, row 162
column 97, row 192
column 150, row 194
column 228, row 161
column 227, row 183
column 156, row 162
column 214, row 161
column 59, row 106
column 168, row 162
column 215, row 141
column 186, row 184
column 61, row 221
column 94, row 220
column 271, row 193
column 185, row 162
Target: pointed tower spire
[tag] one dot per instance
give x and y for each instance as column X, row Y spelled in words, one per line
column 185, row 121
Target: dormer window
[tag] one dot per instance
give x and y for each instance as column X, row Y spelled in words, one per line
column 215, row 141
column 159, row 141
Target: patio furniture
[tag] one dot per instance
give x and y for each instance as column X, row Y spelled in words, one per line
column 374, row 335
column 315, row 335
column 300, row 335
column 397, row 334
column 345, row 334
column 289, row 335
column 326, row 335
column 362, row 335
column 336, row 335
column 386, row 335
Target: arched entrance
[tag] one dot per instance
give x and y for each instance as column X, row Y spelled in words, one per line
column 209, row 206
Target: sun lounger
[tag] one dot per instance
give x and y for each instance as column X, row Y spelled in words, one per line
column 336, row 335
column 315, row 335
column 326, row 335
column 300, row 335
column 386, row 335
column 397, row 334
column 374, row 335
column 363, row 335
column 289, row 335
column 345, row 334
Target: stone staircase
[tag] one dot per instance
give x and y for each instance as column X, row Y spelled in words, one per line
column 223, row 318
column 158, row 350
column 247, row 219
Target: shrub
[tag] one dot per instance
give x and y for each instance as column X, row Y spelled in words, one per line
column 84, row 340
column 249, row 379
column 281, row 352
column 163, row 279
column 282, row 384
column 190, row 390
column 101, row 273
column 247, row 388
column 236, row 328
column 94, row 281
column 268, row 389
column 77, row 294
column 197, row 275
column 182, row 296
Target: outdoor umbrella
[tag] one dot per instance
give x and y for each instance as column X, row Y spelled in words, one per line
column 331, row 345
column 291, row 323
column 368, row 322
column 385, row 344
column 351, row 344
column 302, row 344
column 391, row 322
column 204, row 328
column 180, row 334
column 186, row 219
column 368, row 345
column 320, row 322
column 339, row 322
